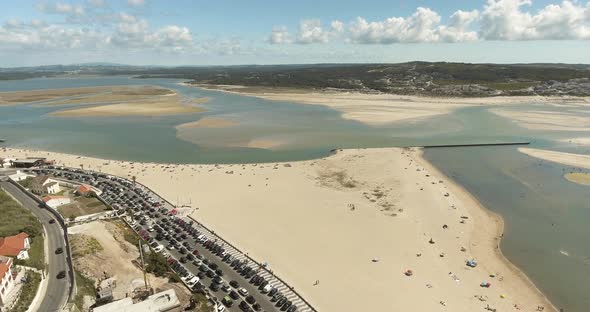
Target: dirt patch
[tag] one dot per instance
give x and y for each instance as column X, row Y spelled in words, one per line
column 117, row 260
column 82, row 206
column 336, row 178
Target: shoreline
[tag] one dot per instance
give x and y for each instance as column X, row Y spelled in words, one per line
column 498, row 220
column 485, row 241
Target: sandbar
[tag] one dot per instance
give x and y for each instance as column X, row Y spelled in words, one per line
column 328, row 219
column 164, row 105
column 578, row 177
column 21, row 97
column 579, row 141
column 384, row 109
column 546, row 120
column 570, row 159
column 208, row 122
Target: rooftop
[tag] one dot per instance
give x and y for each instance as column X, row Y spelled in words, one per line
column 12, row 245
column 162, row 301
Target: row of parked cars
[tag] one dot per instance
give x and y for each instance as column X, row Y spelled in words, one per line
column 166, row 233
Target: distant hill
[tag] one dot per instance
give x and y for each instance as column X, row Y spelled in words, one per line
column 423, row 78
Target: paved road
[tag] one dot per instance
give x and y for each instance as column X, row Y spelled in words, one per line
column 57, row 289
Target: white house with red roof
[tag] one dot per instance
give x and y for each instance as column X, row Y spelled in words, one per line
column 15, row 246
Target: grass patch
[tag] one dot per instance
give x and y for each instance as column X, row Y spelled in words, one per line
column 28, row 292
column 156, row 264
column 26, row 183
column 82, row 206
column 16, row 219
column 85, row 287
column 83, row 245
column 128, row 234
column 509, row 86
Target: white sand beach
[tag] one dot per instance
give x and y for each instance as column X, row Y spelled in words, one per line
column 327, row 219
column 575, row 160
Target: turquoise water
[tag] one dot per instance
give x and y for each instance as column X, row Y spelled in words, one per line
column 546, row 216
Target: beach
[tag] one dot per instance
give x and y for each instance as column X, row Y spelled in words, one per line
column 354, row 221
column 383, row 109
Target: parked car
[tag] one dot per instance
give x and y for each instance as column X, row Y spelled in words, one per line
column 243, row 291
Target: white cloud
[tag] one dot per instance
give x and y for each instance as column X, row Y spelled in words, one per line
column 136, row 3
column 498, row 20
column 62, row 8
column 279, row 35
column 506, row 20
column 419, row 27
column 458, row 29
column 311, row 31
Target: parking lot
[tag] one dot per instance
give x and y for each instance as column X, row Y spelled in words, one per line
column 203, row 260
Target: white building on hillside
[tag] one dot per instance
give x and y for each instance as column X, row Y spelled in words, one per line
column 7, row 281
column 45, row 185
column 56, row 201
column 19, row 176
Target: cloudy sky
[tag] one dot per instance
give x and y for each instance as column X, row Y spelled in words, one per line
column 204, row 32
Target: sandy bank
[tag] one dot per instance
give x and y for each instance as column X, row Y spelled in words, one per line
column 165, row 105
column 327, row 219
column 578, row 141
column 382, row 109
column 20, row 97
column 578, row 177
column 208, row 122
column 116, row 94
column 546, row 120
column 575, row 160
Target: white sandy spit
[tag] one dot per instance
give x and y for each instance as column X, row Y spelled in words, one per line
column 328, row 219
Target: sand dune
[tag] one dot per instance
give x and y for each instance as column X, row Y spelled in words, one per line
column 575, row 160
column 327, row 219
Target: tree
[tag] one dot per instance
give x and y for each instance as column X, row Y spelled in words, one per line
column 133, row 178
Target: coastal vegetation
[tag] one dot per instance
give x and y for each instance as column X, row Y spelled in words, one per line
column 17, row 219
column 28, row 292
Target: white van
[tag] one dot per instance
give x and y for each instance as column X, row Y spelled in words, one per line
column 201, row 238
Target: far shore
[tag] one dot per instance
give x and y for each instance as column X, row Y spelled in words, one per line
column 382, row 109
column 311, row 217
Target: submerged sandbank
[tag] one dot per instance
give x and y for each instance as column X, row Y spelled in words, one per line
column 327, row 219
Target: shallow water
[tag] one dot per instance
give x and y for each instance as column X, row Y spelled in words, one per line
column 546, row 216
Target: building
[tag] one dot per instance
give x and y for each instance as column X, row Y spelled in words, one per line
column 28, row 162
column 19, row 176
column 7, row 281
column 160, row 302
column 56, row 201
column 45, row 185
column 6, row 162
column 85, row 190
column 16, row 246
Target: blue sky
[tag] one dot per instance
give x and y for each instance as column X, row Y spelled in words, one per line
column 198, row 32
